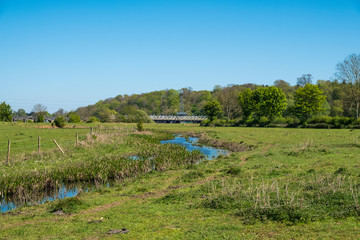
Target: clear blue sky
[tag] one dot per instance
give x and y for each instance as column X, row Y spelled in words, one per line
column 71, row 53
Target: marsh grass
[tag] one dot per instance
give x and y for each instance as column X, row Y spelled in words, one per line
column 316, row 198
column 26, row 184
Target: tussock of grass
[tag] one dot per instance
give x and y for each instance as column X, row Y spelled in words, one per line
column 68, row 205
column 234, row 170
column 192, row 175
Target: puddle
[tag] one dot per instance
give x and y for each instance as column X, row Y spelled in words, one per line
column 190, row 145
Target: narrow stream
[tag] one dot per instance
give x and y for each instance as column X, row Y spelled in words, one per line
column 65, row 191
column 209, row 152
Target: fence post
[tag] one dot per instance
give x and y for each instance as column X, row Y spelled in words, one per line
column 58, row 146
column 77, row 140
column 91, row 131
column 8, row 153
column 39, row 143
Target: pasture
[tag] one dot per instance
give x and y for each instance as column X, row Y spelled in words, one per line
column 288, row 184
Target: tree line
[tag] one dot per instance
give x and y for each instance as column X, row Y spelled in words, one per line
column 323, row 101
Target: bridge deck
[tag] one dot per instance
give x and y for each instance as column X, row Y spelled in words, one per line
column 177, row 119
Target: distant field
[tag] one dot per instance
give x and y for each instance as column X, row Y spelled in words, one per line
column 292, row 184
column 24, row 136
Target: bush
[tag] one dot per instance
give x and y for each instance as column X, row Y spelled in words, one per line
column 279, row 120
column 92, row 119
column 74, row 118
column 340, row 122
column 220, row 123
column 40, row 119
column 250, row 122
column 60, row 122
column 320, row 119
column 292, row 121
column 205, row 123
column 263, row 121
column 140, row 126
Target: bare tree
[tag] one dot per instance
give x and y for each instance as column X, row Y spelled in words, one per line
column 60, row 112
column 39, row 112
column 228, row 98
column 39, row 108
column 304, row 79
column 349, row 72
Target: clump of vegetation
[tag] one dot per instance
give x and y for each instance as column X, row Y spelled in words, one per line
column 234, row 170
column 315, row 198
column 68, row 205
column 190, row 176
column 60, row 122
column 74, row 117
column 140, row 126
column 93, row 119
column 5, row 112
column 341, row 170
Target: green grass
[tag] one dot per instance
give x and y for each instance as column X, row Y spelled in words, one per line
column 24, row 136
column 294, row 184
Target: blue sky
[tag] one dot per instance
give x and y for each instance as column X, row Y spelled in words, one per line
column 71, row 53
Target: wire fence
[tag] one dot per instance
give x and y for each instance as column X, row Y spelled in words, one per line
column 13, row 148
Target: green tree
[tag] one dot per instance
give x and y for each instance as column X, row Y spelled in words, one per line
column 73, row 117
column 308, row 101
column 212, row 110
column 269, row 102
column 20, row 113
column 246, row 102
column 5, row 112
column 106, row 115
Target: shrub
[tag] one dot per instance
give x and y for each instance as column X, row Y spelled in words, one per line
column 60, row 122
column 279, row 120
column 205, row 123
column 292, row 121
column 40, row 118
column 342, row 121
column 74, row 118
column 92, row 119
column 320, row 119
column 140, row 126
column 263, row 121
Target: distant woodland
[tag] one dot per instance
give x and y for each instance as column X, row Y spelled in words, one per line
column 330, row 102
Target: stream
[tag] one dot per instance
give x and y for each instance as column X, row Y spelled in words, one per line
column 64, row 192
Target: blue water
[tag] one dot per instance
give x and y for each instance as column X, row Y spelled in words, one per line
column 61, row 194
column 209, row 152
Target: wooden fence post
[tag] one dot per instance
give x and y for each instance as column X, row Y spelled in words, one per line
column 39, row 143
column 91, row 131
column 58, row 146
column 8, row 153
column 77, row 140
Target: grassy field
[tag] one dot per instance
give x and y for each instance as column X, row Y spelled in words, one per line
column 292, row 184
